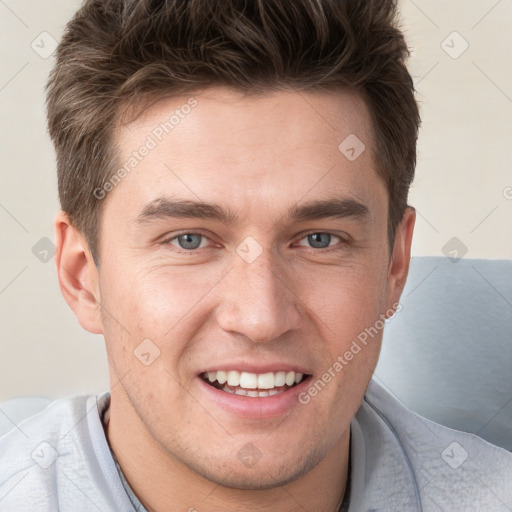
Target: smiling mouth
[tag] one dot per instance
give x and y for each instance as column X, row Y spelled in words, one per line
column 253, row 384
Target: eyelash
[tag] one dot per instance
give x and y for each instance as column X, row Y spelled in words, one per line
column 342, row 241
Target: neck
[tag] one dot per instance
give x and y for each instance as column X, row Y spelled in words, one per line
column 157, row 478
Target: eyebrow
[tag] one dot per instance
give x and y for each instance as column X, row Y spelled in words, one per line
column 164, row 207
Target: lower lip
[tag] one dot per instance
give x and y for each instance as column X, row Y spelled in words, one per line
column 255, row 407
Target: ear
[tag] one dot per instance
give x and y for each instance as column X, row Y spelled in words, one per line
column 400, row 258
column 77, row 273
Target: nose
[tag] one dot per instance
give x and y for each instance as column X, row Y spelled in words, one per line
column 258, row 301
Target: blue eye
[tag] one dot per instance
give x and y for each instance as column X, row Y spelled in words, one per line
column 191, row 242
column 320, row 240
column 188, row 241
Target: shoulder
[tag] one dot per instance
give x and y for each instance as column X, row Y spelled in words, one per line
column 446, row 467
column 58, row 459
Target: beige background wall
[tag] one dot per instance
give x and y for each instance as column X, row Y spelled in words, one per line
column 461, row 66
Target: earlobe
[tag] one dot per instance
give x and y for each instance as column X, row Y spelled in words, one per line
column 77, row 273
column 401, row 257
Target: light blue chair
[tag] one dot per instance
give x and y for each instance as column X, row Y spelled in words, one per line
column 447, row 355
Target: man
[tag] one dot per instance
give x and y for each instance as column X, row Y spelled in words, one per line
column 233, row 178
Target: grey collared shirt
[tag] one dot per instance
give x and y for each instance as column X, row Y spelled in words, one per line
column 60, row 460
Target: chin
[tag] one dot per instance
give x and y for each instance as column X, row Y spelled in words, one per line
column 258, row 474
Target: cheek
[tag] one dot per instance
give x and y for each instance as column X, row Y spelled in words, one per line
column 350, row 327
column 154, row 300
column 347, row 300
column 164, row 305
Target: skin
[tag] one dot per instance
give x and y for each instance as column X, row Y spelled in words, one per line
column 297, row 302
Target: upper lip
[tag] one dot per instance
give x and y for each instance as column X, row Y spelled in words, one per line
column 245, row 366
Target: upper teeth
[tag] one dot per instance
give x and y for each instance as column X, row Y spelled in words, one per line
column 254, row 380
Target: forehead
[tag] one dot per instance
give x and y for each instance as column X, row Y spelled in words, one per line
column 266, row 150
column 252, row 119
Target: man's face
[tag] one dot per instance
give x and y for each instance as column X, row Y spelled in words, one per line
column 277, row 286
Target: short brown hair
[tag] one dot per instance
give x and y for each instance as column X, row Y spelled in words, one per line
column 124, row 53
